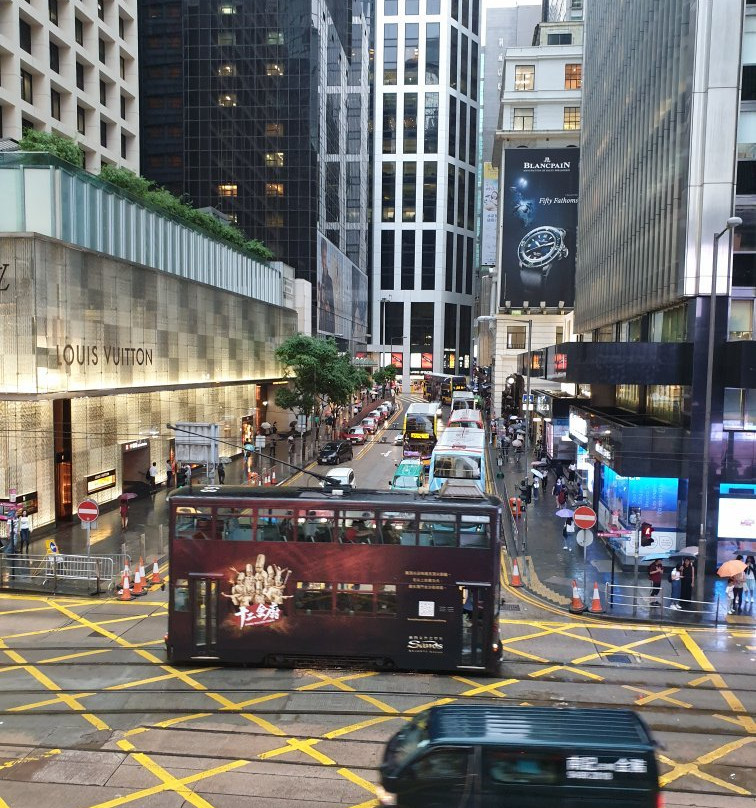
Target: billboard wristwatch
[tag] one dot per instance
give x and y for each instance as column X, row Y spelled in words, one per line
column 537, row 252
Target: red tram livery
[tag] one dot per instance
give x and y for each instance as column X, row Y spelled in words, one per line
column 293, row 575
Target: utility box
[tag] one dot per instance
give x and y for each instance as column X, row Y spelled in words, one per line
column 197, row 444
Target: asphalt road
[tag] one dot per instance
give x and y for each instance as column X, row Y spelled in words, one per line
column 92, row 716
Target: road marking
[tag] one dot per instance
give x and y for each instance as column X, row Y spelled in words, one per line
column 664, row 695
column 294, row 745
column 386, row 454
column 28, row 759
column 362, row 783
column 337, row 681
column 580, row 671
column 489, row 689
column 337, row 733
column 681, row 769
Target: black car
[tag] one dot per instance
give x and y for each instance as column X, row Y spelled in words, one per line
column 335, row 451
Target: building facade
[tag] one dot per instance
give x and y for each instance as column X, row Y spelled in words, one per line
column 655, row 255
column 424, row 183
column 260, row 109
column 116, row 322
column 72, row 69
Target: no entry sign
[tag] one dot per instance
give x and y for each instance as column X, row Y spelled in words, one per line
column 88, row 510
column 585, row 517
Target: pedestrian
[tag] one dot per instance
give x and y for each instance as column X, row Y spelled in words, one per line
column 274, row 428
column 561, row 496
column 564, row 537
column 687, row 578
column 221, row 473
column 655, row 572
column 152, row 476
column 24, row 526
column 675, row 580
column 750, row 580
column 168, row 474
column 10, row 547
column 188, row 474
column 730, row 594
column 124, row 509
column 739, row 583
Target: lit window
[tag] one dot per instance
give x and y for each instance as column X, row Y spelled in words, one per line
column 233, row 218
column 227, row 8
column 274, row 129
column 573, row 77
column 227, row 70
column 274, row 69
column 274, row 220
column 275, row 38
column 228, row 189
column 522, row 119
column 524, row 77
column 572, row 117
column 274, row 189
column 227, row 100
column 275, row 159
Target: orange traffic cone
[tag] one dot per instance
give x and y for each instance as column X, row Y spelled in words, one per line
column 266, row 478
column 596, row 607
column 155, row 572
column 138, row 589
column 273, row 477
column 577, row 605
column 516, row 580
column 126, row 589
column 141, row 570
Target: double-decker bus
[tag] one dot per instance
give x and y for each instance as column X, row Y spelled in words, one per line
column 440, row 386
column 294, row 575
column 422, row 426
column 471, row 419
column 459, row 454
column 464, row 400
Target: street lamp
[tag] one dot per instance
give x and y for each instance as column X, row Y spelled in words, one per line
column 730, row 225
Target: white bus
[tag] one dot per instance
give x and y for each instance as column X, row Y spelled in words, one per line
column 464, row 400
column 460, row 454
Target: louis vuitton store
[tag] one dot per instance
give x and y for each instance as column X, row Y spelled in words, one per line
column 98, row 354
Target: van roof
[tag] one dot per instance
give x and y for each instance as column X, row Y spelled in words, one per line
column 576, row 728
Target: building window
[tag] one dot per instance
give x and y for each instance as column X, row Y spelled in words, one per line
column 409, row 192
column 123, row 107
column 559, row 39
column 390, row 52
column 431, row 123
column 226, row 38
column 573, row 77
column 122, row 67
column 430, row 184
column 226, row 8
column 81, row 121
column 274, row 69
column 54, row 57
column 559, row 338
column 524, row 77
column 103, row 93
column 516, row 335
column 275, row 38
column 227, row 100
column 79, row 31
column 121, row 28
column 411, row 52
column 522, row 119
column 104, row 134
column 572, row 117
column 123, row 146
column 746, row 180
column 274, row 189
column 80, row 75
column 101, row 50
column 274, row 219
column 101, row 9
column 27, row 87
column 274, row 129
column 388, row 192
column 52, row 10
column 410, row 123
column 227, row 70
column 408, row 259
column 454, row 58
column 24, row 35
column 228, row 189
column 274, row 159
column 432, row 39
column 387, row 259
column 428, row 260
column 741, row 320
column 55, row 104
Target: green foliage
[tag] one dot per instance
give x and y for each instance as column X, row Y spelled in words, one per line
column 62, row 147
column 385, row 374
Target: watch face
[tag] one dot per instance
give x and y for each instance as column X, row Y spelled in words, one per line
column 540, row 247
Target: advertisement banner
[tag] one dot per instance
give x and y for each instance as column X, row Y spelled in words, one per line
column 489, row 215
column 538, row 228
column 342, row 294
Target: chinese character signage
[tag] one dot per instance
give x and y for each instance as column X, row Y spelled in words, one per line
column 258, row 592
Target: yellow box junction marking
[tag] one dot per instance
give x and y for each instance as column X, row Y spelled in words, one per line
column 681, row 769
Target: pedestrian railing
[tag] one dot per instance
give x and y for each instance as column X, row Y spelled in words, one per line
column 638, row 600
column 57, row 573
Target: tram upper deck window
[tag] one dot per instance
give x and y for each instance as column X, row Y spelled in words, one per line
column 399, row 528
column 438, row 530
column 474, row 531
column 313, row 596
column 315, row 526
column 357, row 527
column 236, row 523
column 194, row 523
column 274, row 524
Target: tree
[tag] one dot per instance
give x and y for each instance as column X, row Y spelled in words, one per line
column 60, row 146
column 385, row 375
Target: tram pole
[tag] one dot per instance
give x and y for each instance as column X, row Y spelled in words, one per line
column 527, row 438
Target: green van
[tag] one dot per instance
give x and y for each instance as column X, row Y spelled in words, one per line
column 409, row 476
column 480, row 756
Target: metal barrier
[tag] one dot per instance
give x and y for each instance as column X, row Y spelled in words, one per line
column 56, row 573
column 632, row 598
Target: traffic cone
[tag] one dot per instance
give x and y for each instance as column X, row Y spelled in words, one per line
column 516, row 580
column 141, row 570
column 138, row 589
column 596, row 607
column 273, row 477
column 125, row 588
column 577, row 606
column 155, row 572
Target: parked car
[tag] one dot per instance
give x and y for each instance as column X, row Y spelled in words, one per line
column 356, row 434
column 379, row 415
column 335, row 451
column 340, row 476
column 370, row 425
column 384, row 408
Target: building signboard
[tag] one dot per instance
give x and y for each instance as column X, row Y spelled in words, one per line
column 342, row 294
column 538, row 227
column 579, row 427
column 489, row 215
column 101, row 481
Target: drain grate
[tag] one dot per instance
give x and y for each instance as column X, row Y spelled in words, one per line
column 618, row 659
column 509, row 607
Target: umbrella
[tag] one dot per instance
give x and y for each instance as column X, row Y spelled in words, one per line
column 565, row 513
column 225, row 460
column 127, row 496
column 730, row 568
column 265, row 425
column 686, row 551
column 517, row 443
column 539, row 474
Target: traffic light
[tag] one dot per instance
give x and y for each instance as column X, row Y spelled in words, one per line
column 647, row 534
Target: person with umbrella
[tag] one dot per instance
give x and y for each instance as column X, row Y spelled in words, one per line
column 735, row 569
column 124, row 510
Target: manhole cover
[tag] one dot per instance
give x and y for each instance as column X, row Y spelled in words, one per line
column 618, row 659
column 510, row 607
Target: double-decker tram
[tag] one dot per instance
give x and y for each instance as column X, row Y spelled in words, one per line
column 440, row 386
column 298, row 575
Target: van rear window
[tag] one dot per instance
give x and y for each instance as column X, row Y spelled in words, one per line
column 503, row 767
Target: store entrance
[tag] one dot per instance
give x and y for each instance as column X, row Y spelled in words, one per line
column 63, row 467
column 135, row 460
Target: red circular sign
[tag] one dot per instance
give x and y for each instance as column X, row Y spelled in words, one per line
column 585, row 517
column 88, row 510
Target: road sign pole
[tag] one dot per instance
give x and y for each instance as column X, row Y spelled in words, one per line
column 635, row 566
